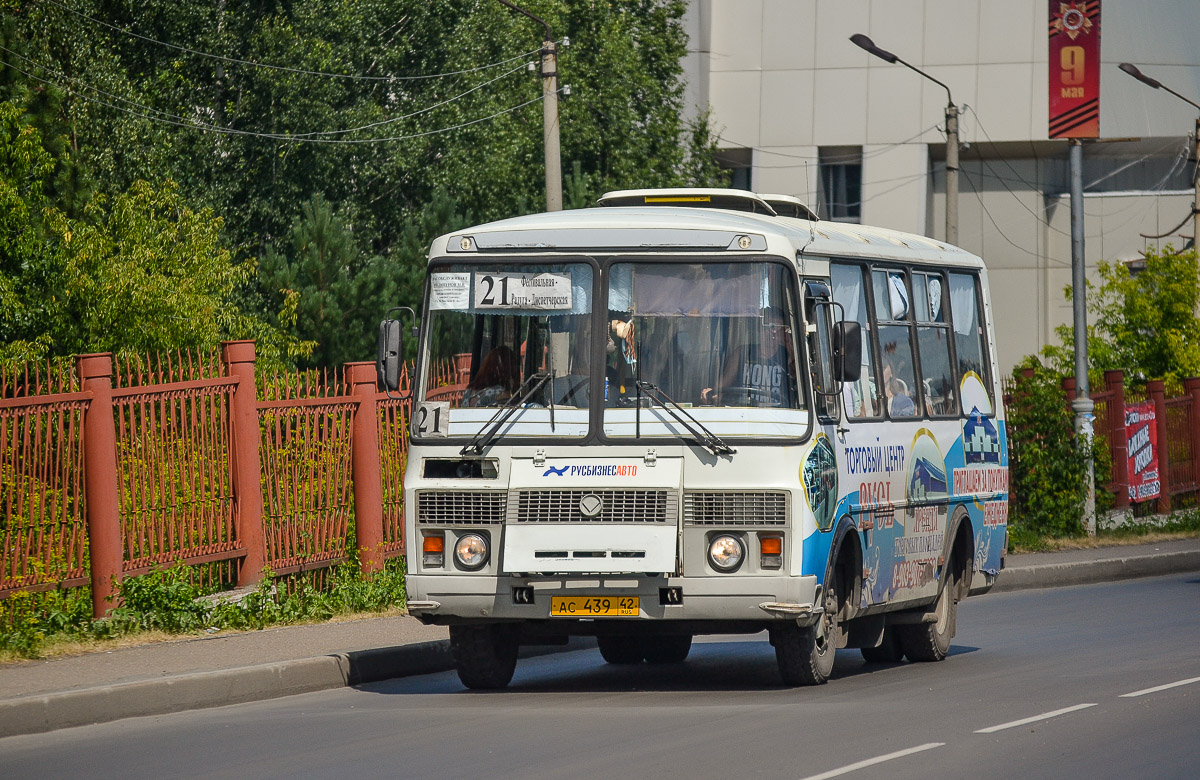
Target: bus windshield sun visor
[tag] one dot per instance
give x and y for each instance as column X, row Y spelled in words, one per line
column 700, row 433
column 490, row 430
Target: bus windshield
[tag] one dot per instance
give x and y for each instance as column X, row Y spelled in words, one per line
column 718, row 338
column 498, row 332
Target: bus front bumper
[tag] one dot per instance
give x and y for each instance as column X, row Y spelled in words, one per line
column 464, row 598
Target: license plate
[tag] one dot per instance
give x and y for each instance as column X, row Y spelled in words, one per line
column 594, row 606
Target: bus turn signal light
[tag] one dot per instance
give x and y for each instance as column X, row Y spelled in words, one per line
column 433, row 550
column 771, row 552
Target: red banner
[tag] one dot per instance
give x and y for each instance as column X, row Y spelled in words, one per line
column 1074, row 69
column 1141, row 442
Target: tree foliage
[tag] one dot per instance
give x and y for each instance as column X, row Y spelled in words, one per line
column 1144, row 323
column 137, row 271
column 1047, row 463
column 437, row 118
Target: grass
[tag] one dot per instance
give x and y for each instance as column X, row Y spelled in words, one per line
column 1179, row 525
column 65, row 646
column 164, row 605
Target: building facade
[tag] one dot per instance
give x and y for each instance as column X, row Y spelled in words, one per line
column 800, row 110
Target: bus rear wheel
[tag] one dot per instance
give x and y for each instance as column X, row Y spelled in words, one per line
column 669, row 649
column 888, row 651
column 931, row 641
column 619, row 649
column 485, row 656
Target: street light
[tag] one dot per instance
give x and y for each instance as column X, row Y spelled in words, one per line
column 1156, row 84
column 867, row 45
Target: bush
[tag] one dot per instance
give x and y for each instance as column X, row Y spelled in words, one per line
column 1047, row 465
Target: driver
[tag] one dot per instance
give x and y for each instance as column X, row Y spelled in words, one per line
column 761, row 373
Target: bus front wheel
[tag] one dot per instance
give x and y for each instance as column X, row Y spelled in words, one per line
column 485, row 656
column 805, row 655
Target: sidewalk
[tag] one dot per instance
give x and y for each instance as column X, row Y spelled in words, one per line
column 210, row 671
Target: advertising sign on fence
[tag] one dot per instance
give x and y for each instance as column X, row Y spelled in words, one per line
column 1141, row 441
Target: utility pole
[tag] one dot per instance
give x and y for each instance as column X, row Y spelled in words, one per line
column 550, row 140
column 867, row 45
column 1082, row 404
column 951, row 172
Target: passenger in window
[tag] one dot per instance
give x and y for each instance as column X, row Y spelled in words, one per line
column 497, row 379
column 899, row 402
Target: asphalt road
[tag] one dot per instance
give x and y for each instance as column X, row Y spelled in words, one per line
column 1051, row 683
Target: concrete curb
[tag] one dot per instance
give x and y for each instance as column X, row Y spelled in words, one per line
column 1058, row 575
column 49, row 712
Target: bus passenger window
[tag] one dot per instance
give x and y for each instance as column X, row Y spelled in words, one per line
column 972, row 371
column 933, row 345
column 894, row 312
column 861, row 398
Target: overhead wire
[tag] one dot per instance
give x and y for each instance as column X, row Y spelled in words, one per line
column 284, row 68
column 175, row 120
column 826, row 159
column 75, row 81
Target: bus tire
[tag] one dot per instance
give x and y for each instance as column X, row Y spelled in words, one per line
column 484, row 656
column 805, row 655
column 931, row 641
column 618, row 649
column 669, row 649
column 888, row 651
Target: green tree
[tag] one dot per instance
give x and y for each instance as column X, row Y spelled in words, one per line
column 140, row 271
column 342, row 292
column 1144, row 323
column 253, row 144
column 623, row 122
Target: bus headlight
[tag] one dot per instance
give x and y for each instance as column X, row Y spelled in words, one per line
column 726, row 552
column 471, row 551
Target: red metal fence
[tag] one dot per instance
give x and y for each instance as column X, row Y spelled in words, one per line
column 1178, row 432
column 114, row 468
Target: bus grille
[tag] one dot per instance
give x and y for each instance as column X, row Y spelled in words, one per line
column 461, row 507
column 735, row 508
column 620, row 506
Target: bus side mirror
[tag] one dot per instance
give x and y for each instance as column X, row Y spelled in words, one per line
column 390, row 356
column 847, row 351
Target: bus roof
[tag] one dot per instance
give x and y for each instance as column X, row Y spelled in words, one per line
column 680, row 229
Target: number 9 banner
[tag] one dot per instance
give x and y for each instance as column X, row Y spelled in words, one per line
column 1074, row 69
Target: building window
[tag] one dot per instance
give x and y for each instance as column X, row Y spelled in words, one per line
column 739, row 162
column 841, row 183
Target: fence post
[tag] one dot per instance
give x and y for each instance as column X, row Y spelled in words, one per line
column 1068, row 386
column 100, row 482
column 1192, row 387
column 1114, row 382
column 364, row 456
column 245, row 439
column 1157, row 394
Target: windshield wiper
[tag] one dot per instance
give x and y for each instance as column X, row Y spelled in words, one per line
column 481, row 440
column 700, row 433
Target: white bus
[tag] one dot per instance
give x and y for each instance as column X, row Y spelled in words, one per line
column 681, row 413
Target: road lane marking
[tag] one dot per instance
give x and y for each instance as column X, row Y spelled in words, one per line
column 1158, row 688
column 872, row 761
column 1034, row 719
